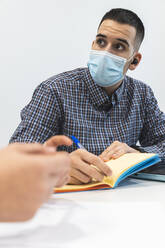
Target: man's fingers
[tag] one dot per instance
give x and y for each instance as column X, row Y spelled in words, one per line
column 114, row 151
column 58, row 140
column 118, row 153
column 90, row 171
column 97, row 161
column 79, row 175
column 58, row 163
column 109, row 149
column 63, row 182
column 89, row 164
column 56, row 168
column 32, row 148
column 107, row 156
column 74, row 181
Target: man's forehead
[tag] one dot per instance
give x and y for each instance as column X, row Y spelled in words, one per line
column 114, row 29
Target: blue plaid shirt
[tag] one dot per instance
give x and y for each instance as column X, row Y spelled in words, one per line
column 72, row 104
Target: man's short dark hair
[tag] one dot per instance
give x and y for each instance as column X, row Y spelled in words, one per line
column 125, row 16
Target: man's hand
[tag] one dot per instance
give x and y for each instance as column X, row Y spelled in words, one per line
column 82, row 170
column 115, row 150
column 28, row 174
column 58, row 140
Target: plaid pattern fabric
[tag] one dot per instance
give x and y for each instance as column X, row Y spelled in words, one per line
column 72, row 104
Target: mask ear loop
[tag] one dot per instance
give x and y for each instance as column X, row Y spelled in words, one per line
column 131, row 57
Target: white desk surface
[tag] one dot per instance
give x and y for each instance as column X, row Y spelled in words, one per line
column 132, row 215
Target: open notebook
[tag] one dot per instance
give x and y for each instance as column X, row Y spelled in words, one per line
column 122, row 167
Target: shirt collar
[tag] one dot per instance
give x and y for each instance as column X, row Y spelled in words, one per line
column 117, row 95
column 98, row 95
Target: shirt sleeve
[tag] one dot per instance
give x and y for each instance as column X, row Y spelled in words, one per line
column 152, row 138
column 41, row 118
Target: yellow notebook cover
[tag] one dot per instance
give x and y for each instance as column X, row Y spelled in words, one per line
column 121, row 167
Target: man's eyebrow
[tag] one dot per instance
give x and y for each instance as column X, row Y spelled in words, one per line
column 124, row 41
column 119, row 39
column 101, row 35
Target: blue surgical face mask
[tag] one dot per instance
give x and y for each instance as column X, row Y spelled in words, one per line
column 106, row 68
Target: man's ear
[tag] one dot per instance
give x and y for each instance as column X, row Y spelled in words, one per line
column 93, row 44
column 135, row 61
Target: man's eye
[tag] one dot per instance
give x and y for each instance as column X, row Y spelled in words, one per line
column 101, row 42
column 119, row 47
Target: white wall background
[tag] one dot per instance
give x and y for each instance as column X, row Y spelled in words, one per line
column 40, row 38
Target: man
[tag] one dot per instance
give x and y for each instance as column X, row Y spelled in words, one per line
column 28, row 174
column 106, row 110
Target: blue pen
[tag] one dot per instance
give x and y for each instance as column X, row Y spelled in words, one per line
column 77, row 142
